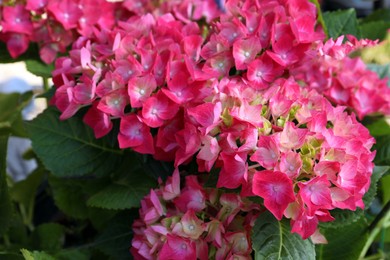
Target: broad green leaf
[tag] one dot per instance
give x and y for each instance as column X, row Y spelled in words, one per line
column 374, row 30
column 379, row 171
column 36, row 255
column 5, row 202
column 68, row 148
column 125, row 194
column 73, row 254
column 11, row 106
column 70, row 195
column 378, row 15
column 341, row 22
column 343, row 217
column 382, row 148
column 115, row 240
column 379, row 128
column 10, row 256
column 345, row 242
column 49, row 237
column 24, row 191
column 39, row 68
column 272, row 239
column 385, row 183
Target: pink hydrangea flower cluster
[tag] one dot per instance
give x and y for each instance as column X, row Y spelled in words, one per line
column 228, row 97
column 55, row 24
column 193, row 223
column 324, row 69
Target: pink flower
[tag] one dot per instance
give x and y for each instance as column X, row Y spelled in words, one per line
column 177, row 248
column 135, row 134
column 276, row 189
column 234, row 170
column 16, row 19
column 156, row 109
column 140, row 89
column 99, row 121
column 245, row 51
column 267, row 153
column 192, row 197
column 316, row 193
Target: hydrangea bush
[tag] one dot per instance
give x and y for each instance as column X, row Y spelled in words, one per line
column 240, row 129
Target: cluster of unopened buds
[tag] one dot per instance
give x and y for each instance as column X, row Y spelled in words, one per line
column 193, row 222
column 254, row 93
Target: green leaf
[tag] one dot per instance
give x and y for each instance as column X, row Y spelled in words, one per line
column 5, row 202
column 343, row 217
column 378, row 15
column 345, row 242
column 68, row 148
column 272, row 239
column 374, row 30
column 70, row 195
column 378, row 172
column 36, row 255
column 382, row 148
column 73, row 254
column 125, row 194
column 24, row 191
column 341, row 22
column 115, row 240
column 11, row 106
column 385, row 183
column 39, row 68
column 49, row 237
column 379, row 128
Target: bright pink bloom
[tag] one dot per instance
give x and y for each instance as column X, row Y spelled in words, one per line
column 276, row 189
column 290, row 164
column 16, row 19
column 190, row 226
column 234, row 170
column 245, row 51
column 99, row 121
column 267, row 153
column 140, row 89
column 172, row 187
column 156, row 109
column 66, row 12
column 207, row 115
column 292, row 137
column 262, row 71
column 177, row 248
column 114, row 103
column 316, row 193
column 192, row 196
column 135, row 134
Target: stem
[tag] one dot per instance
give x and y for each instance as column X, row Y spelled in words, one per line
column 254, row 166
column 375, row 227
column 46, row 86
column 320, row 18
column 377, row 256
